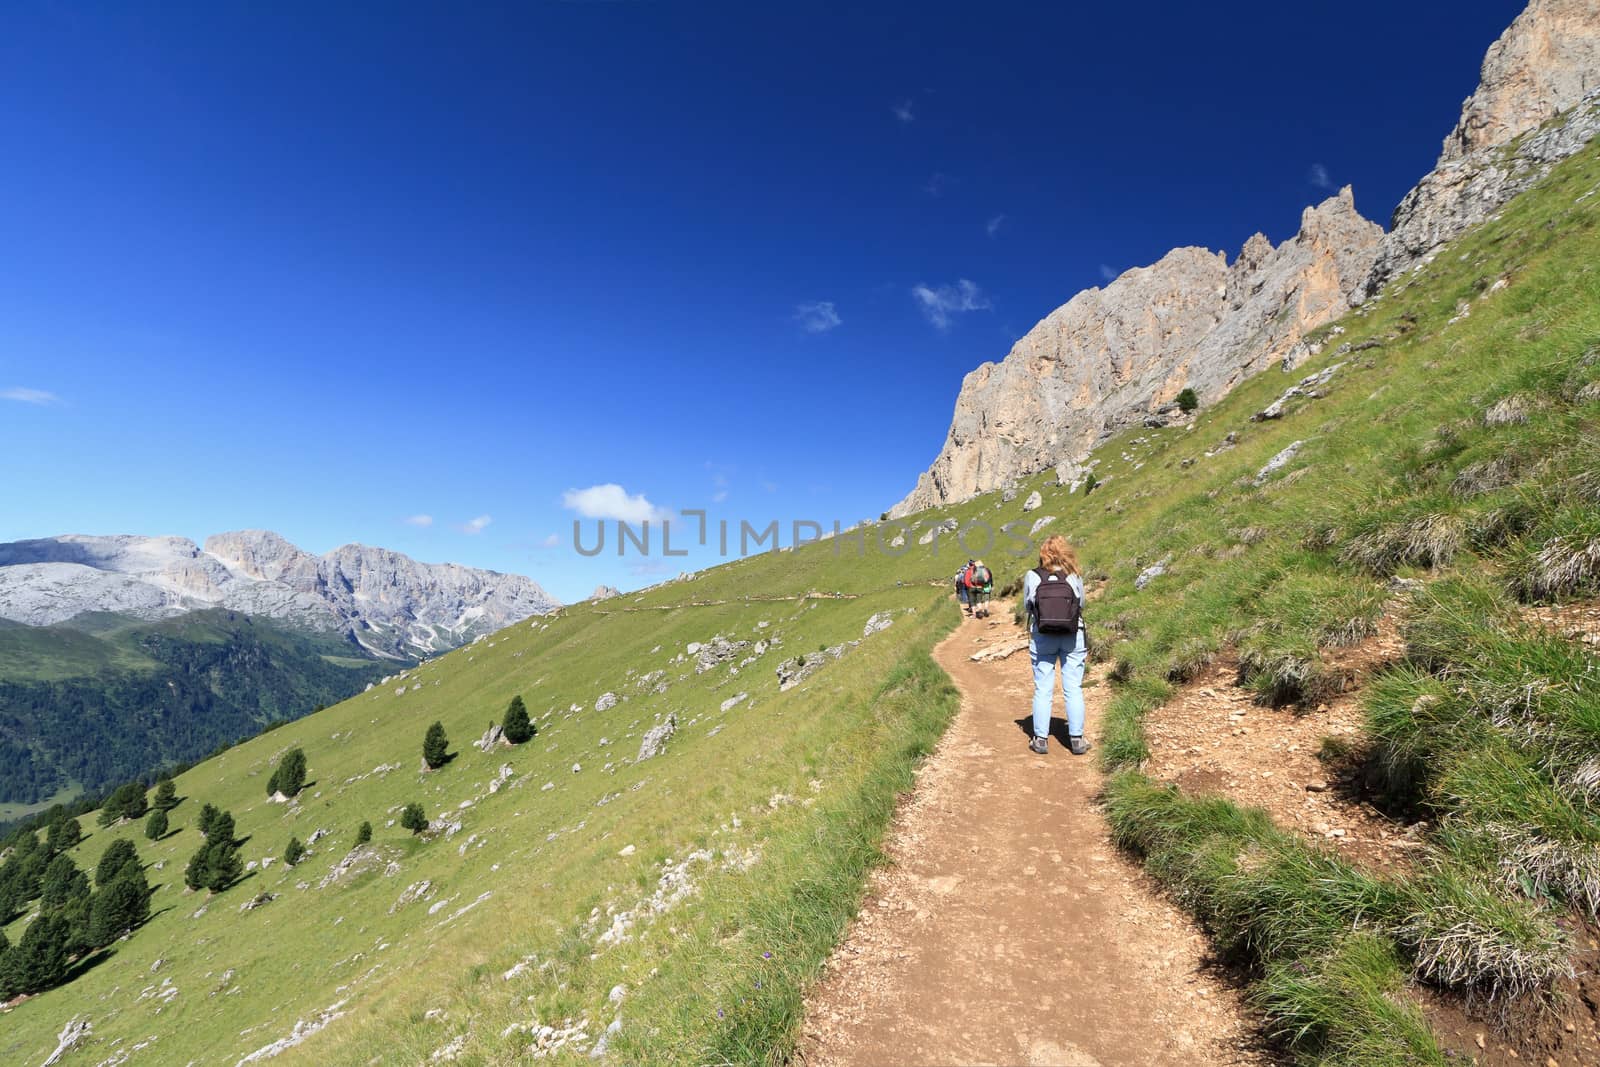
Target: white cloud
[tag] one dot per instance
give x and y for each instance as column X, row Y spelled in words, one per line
column 1318, row 176
column 611, row 501
column 29, row 396
column 936, row 185
column 719, row 496
column 1107, row 273
column 419, row 520
column 550, row 542
column 819, row 316
column 904, row 111
column 947, row 300
column 992, row 227
column 475, row 526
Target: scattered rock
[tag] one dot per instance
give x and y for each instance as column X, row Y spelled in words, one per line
column 1508, row 411
column 655, row 738
column 606, row 702
column 1041, row 524
column 77, row 1030
column 256, row 901
column 1151, row 573
column 734, row 701
column 491, row 737
column 878, row 623
column 1278, row 462
column 1307, row 386
column 1034, row 501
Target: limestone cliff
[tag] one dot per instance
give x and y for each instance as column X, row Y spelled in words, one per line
column 1537, row 102
column 1112, row 356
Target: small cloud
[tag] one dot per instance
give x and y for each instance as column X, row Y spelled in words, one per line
column 419, row 520
column 611, row 501
column 1106, row 273
column 817, row 317
column 771, row 487
column 1318, row 176
column 719, row 496
column 939, row 304
column 475, row 526
column 936, row 185
column 904, row 111
column 550, row 542
column 29, row 396
column 992, row 227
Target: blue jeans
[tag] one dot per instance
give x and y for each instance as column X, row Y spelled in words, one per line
column 1046, row 650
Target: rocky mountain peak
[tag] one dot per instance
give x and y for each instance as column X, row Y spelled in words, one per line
column 1547, row 61
column 383, row 600
column 1110, row 357
column 1540, row 92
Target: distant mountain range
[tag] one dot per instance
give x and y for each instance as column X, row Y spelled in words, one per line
column 382, row 601
column 123, row 655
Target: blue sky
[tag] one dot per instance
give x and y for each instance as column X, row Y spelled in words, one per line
column 325, row 269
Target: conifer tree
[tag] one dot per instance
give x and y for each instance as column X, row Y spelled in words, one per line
column 435, row 747
column 208, row 815
column 120, row 906
column 290, row 777
column 63, row 834
column 116, row 856
column 517, row 727
column 155, row 827
column 413, row 818
column 364, row 834
column 294, row 853
column 38, row 960
column 166, row 797
column 63, row 882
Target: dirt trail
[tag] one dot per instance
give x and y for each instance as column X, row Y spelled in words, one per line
column 1009, row 929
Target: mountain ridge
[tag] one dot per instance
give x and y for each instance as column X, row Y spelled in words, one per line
column 382, row 600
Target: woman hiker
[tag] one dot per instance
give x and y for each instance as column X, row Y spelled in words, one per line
column 1052, row 594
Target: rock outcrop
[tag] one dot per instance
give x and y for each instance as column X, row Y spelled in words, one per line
column 1112, row 357
column 1537, row 102
column 385, row 601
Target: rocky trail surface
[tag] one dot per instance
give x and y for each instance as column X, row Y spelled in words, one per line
column 1008, row 928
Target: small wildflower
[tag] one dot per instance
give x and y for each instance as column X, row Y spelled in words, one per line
column 766, row 955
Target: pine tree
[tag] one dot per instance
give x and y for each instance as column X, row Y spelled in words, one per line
column 364, row 834
column 413, row 818
column 208, row 815
column 6, row 992
column 63, row 882
column 155, row 828
column 215, row 866
column 116, row 856
column 119, row 907
column 166, row 797
column 294, row 853
column 1188, row 401
column 38, row 961
column 63, row 834
column 224, row 866
column 516, row 726
column 290, row 777
column 435, row 747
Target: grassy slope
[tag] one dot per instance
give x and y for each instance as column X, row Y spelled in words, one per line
column 854, row 729
column 701, row 985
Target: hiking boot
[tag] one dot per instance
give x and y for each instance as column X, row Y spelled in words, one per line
column 1078, row 745
column 1039, row 745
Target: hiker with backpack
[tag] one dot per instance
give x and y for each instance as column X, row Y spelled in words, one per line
column 962, row 596
column 1052, row 594
column 980, row 584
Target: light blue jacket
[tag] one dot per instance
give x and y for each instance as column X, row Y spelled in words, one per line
column 1030, row 587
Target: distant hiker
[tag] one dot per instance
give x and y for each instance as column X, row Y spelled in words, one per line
column 961, row 590
column 980, row 584
column 1052, row 593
